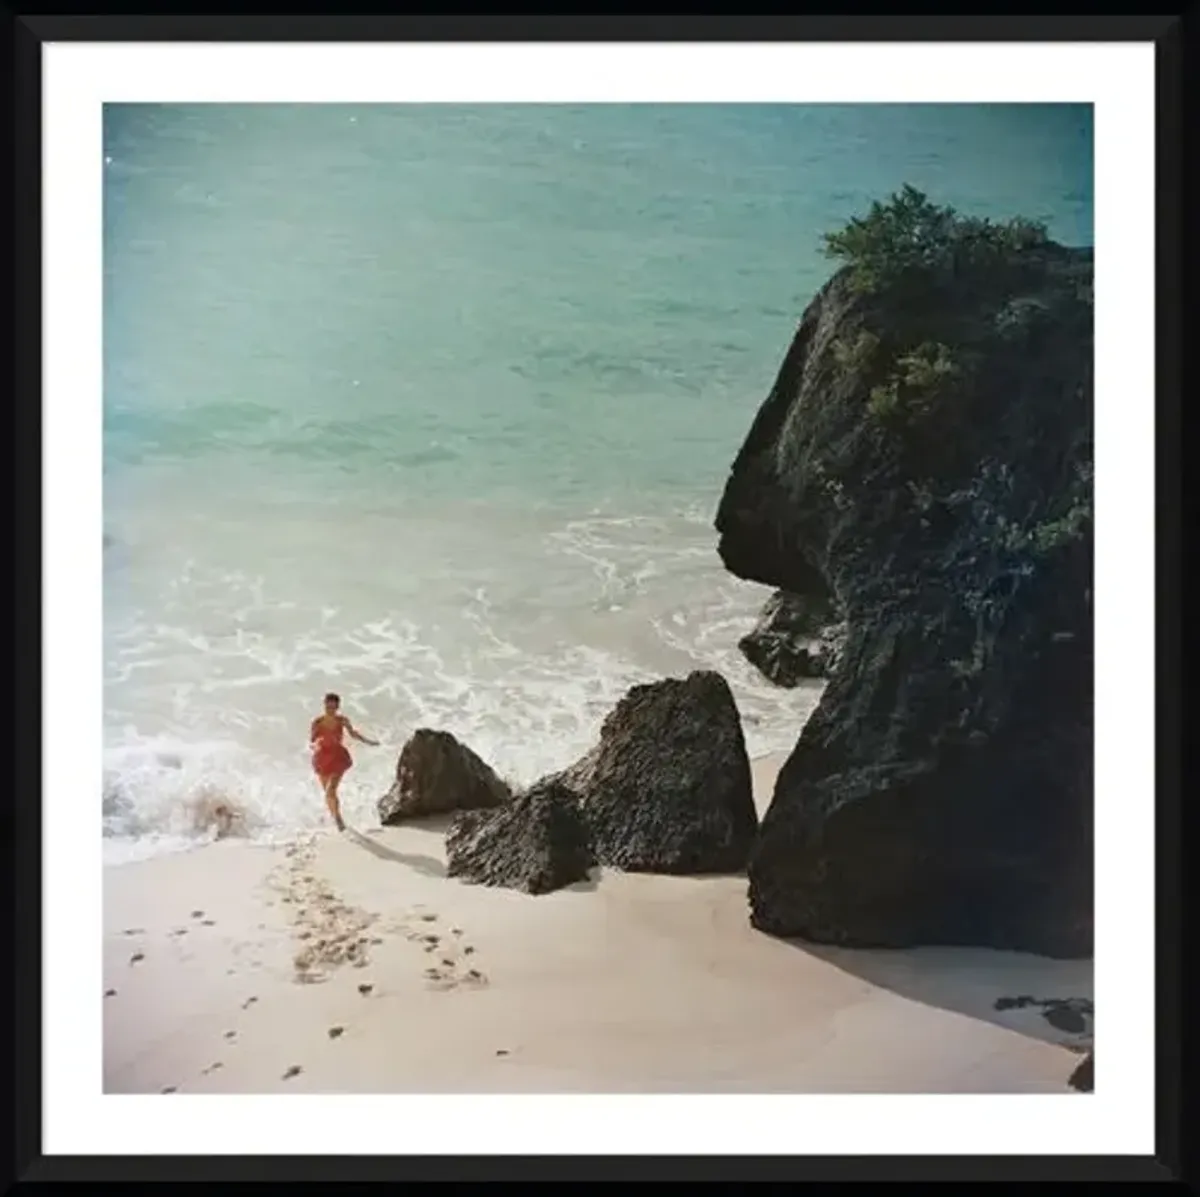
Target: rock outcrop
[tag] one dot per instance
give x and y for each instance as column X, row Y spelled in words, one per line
column 437, row 775
column 795, row 638
column 536, row 842
column 1083, row 1077
column 924, row 462
column 668, row 789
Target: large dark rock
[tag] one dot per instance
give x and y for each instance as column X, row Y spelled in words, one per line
column 1083, row 1078
column 667, row 790
column 435, row 775
column 941, row 793
column 795, row 638
column 536, row 842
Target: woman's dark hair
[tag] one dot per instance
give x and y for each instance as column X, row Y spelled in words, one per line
column 336, row 699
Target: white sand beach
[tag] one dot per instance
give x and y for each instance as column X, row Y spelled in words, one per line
column 351, row 964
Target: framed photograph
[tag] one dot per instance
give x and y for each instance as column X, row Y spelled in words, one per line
column 597, row 598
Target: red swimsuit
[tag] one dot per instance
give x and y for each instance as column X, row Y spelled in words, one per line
column 330, row 756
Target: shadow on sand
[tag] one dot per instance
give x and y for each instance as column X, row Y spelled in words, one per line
column 419, row 863
column 589, row 884
column 1035, row 996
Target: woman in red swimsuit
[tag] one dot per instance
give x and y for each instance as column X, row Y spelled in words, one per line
column 330, row 757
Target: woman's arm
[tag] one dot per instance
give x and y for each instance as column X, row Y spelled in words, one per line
column 355, row 734
column 312, row 732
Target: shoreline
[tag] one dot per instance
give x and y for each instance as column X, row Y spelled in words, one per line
column 354, row 960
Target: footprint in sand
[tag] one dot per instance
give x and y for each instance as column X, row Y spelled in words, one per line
column 197, row 914
column 249, row 1002
column 212, row 1068
column 136, row 957
column 293, row 1070
column 110, row 993
column 365, row 989
column 168, row 1089
column 336, row 1032
column 231, row 1035
column 134, row 931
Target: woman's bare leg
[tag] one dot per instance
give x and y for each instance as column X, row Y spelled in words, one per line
column 332, row 802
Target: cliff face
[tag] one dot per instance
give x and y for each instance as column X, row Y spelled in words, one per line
column 924, row 460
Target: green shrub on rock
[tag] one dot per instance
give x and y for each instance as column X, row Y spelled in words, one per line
column 908, row 234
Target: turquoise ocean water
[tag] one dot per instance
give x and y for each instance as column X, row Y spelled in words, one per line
column 432, row 405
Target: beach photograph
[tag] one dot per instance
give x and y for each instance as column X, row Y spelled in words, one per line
column 597, row 598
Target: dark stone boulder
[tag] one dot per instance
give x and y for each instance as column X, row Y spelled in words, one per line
column 795, row 638
column 536, row 842
column 436, row 775
column 1082, row 1078
column 924, row 462
column 825, row 651
column 667, row 790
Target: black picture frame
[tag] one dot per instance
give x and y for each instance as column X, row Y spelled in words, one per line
column 23, row 811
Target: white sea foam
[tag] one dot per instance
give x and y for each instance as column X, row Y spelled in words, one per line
column 520, row 650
